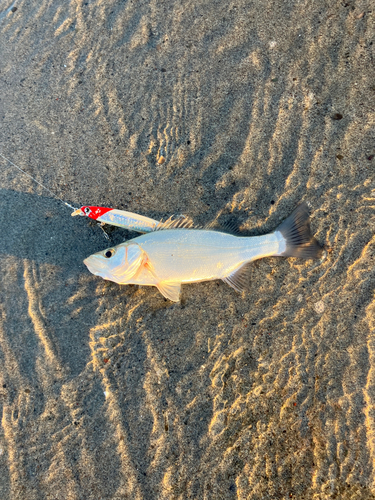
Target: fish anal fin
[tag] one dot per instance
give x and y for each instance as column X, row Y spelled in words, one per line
column 240, row 278
column 170, row 290
column 180, row 222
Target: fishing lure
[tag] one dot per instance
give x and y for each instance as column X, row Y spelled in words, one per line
column 120, row 218
column 127, row 220
column 175, row 253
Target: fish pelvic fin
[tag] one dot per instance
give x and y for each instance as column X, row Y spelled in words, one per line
column 170, row 290
column 180, row 222
column 296, row 232
column 240, row 278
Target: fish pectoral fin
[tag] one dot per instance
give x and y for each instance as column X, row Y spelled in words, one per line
column 239, row 279
column 170, row 289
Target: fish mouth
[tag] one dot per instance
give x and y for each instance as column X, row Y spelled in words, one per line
column 93, row 268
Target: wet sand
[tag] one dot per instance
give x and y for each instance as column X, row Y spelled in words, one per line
column 112, row 392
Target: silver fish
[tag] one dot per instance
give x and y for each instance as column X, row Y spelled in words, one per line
column 174, row 254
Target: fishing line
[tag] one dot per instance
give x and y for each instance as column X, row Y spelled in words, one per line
column 40, row 184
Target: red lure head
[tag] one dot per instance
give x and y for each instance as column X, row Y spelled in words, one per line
column 94, row 212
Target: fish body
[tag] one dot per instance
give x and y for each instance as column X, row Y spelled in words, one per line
column 193, row 255
column 169, row 257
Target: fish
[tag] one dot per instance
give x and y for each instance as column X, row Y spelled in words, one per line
column 176, row 253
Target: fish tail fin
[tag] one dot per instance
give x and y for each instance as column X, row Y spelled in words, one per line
column 299, row 242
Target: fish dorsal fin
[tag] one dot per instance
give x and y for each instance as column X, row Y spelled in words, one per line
column 229, row 227
column 239, row 279
column 180, row 222
column 170, row 289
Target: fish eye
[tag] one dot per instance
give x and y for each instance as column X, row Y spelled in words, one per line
column 109, row 254
column 87, row 210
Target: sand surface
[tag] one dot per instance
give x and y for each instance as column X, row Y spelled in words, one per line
column 112, row 392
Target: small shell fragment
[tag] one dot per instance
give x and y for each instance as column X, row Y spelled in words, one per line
column 319, row 307
column 161, row 160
